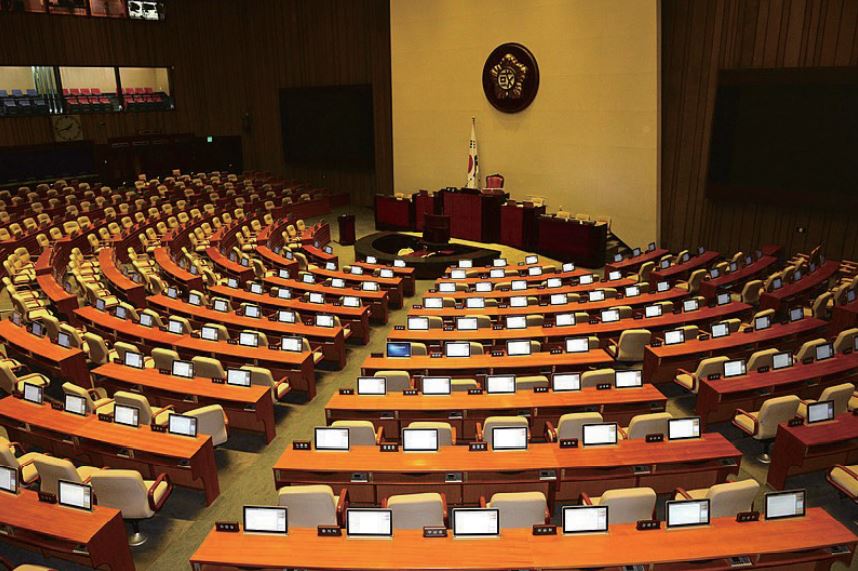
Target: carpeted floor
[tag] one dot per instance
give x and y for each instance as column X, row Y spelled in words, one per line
column 245, row 462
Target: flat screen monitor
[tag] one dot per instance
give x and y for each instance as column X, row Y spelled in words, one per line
column 475, row 302
column 248, row 339
column 535, row 271
column 476, row 522
column 466, row 323
column 75, row 405
column 850, row 296
column 499, row 262
column 420, row 439
column 395, row 349
column 289, row 255
column 518, row 348
column 496, row 273
column 600, row 434
column 531, row 259
column 209, row 333
column 244, row 261
column 251, row 311
column 720, row 330
column 632, row 291
column 369, row 522
column 371, row 386
column 437, row 385
column 662, row 287
column 761, row 323
column 446, row 287
column 284, row 274
column 292, row 344
column 174, row 326
column 126, row 415
column 351, row 301
column 398, row 263
column 284, row 293
column 518, row 285
column 286, row 316
column 330, row 266
column 256, row 288
column 586, row 279
column 577, row 344
column 483, row 287
column 386, row 273
column 182, row 425
column 723, row 299
column 628, row 379
column 820, row 411
column 458, row 274
column 8, row 480
column 564, row 320
column 509, row 438
column 734, row 266
column 324, row 320
column 133, row 360
column 796, row 313
column 824, row 352
column 558, row 299
column 316, row 297
column 561, row 382
column 122, row 313
column 466, row 263
column 553, row 282
column 500, row 384
column 457, row 349
column 73, row 495
column 265, row 519
column 687, row 513
column 664, row 264
column 433, row 302
column 597, row 295
column 610, row 315
column 516, row 322
column 714, row 273
column 238, row 377
column 308, row 278
column 338, row 283
column 585, row 519
column 329, row 438
column 614, row 275
column 734, row 368
column 195, row 299
column 33, row 393
column 64, row 339
column 220, row 305
column 690, row 305
column 371, row 260
column 674, row 337
column 780, row 505
column 172, row 292
column 146, row 320
column 232, row 282
column 781, row 360
column 796, row 275
column 518, row 301
column 652, row 311
column 636, row 252
column 568, row 267
column 683, row 428
column 777, row 284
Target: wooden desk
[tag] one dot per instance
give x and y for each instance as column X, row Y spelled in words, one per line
column 812, row 447
column 540, row 291
column 406, row 273
column 134, row 292
column 803, row 287
column 190, row 462
column 331, row 341
column 396, row 411
column 683, row 270
column 660, row 363
column 247, row 408
column 633, row 263
column 377, row 300
column 393, row 286
column 718, row 400
column 570, row 240
column 94, row 539
column 174, row 272
column 319, row 255
column 522, row 275
column 710, row 288
column 228, row 267
column 47, row 267
column 844, row 317
column 279, row 261
column 299, row 367
column 561, row 474
column 486, row 363
column 41, row 354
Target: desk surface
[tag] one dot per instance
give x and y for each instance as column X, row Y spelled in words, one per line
column 542, row 360
column 537, row 291
column 296, row 304
column 693, row 263
column 808, row 281
column 635, row 261
column 710, row 286
column 41, row 346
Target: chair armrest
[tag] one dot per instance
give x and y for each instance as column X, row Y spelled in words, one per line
column 18, row 446
column 683, row 493
column 444, row 508
column 93, row 393
column 550, row 432
column 585, row 499
column 453, row 434
column 156, row 506
column 613, row 343
column 623, row 432
column 547, row 514
column 741, row 412
column 848, row 470
column 379, row 435
column 479, row 431
column 684, row 372
column 342, row 505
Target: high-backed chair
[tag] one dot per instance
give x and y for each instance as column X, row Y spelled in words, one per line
column 762, row 425
column 396, row 381
column 840, row 394
column 208, row 367
column 464, row 385
column 631, row 345
column 527, row 382
column 762, row 358
column 361, row 432
column 24, row 464
column 416, row 511
column 709, row 366
column 485, row 429
column 597, row 377
column 845, row 339
column 446, row 432
column 643, row 424
column 808, row 348
column 626, row 505
column 147, row 414
column 519, row 509
column 263, row 376
column 571, row 425
column 313, row 505
column 725, row 500
column 163, row 358
column 211, row 420
column 96, row 398
column 51, row 470
column 10, row 383
column 845, row 479
column 136, row 498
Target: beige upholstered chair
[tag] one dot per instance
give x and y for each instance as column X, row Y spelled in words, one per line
column 96, row 398
column 626, row 505
column 464, row 385
column 845, row 479
column 519, row 509
column 840, row 394
column 761, row 358
column 763, row 424
column 808, row 348
column 571, row 425
column 51, row 470
column 147, row 414
column 415, row 511
column 725, row 500
column 313, row 505
column 211, row 420
column 845, row 339
column 263, row 376
column 163, row 358
column 208, row 367
column 709, row 366
column 485, row 429
column 446, row 432
column 24, row 464
column 396, row 381
column 418, row 349
column 136, row 498
column 527, row 382
column 597, row 377
column 361, row 432
column 643, row 424
column 631, row 345
column 9, row 383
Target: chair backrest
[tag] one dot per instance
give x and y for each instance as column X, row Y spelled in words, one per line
column 164, row 358
column 123, row 490
column 396, row 381
column 571, row 424
column 651, row 423
column 121, row 347
column 445, row 430
column 493, row 422
column 51, row 470
column 840, row 394
column 74, row 390
column 309, row 506
column 211, row 420
column 361, row 432
column 694, row 280
column 7, row 456
column 730, row 498
column 845, row 339
column 597, row 377
column 415, row 511
column 8, row 380
column 418, row 349
column 208, row 367
column 527, row 382
column 464, row 385
column 808, row 348
column 138, row 401
column 773, row 412
column 632, row 343
column 520, row 509
column 761, row 358
column 628, row 505
column 98, row 352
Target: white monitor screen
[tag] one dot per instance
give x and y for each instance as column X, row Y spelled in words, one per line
column 483, row 286
column 515, row 348
column 331, row 438
column 577, row 344
column 585, row 519
column 371, row 386
column 568, row 267
column 475, row 302
column 172, row 292
column 121, row 312
column 537, row 271
column 259, row 519
column 652, row 311
column 782, row 360
column 636, row 252
column 662, row 287
column 714, row 273
column 283, row 274
column 195, row 299
column 174, row 326
column 126, row 415
column 820, row 411
column 687, row 513
column 553, row 282
column 232, row 282
column 566, row 382
column 628, row 379
column 8, row 479
column 518, row 301
column 33, row 393
column 446, row 287
column 385, row 273
column 664, row 264
column 220, row 305
column 466, row 323
column 146, row 320
column 338, row 283
column 74, row 495
column 324, row 320
column 610, row 315
column 785, row 504
column 316, row 297
column 614, row 275
column 64, row 339
column 723, row 298
column 209, row 333
column 238, row 377
column 632, row 291
column 420, row 439
column 496, row 273
column 597, row 295
column 796, row 313
column 75, row 404
column 251, row 311
column 437, row 385
column 398, row 263
column 351, row 301
column 371, row 260
column 674, row 337
column 499, row 262
column 133, row 360
column 777, row 283
column 690, row 305
column 369, row 286
column 286, row 316
column 457, row 349
column 558, row 299
column 734, row 266
column 683, row 428
column 308, row 279
column 761, row 323
column 183, row 369
column 369, row 522
column 564, row 320
column 466, row 263
column 516, row 322
column 182, row 425
column 586, row 279
column 735, row 368
column 509, row 438
column 600, row 434
column 284, row 293
column 720, row 330
column 531, row 259
column 458, row 274
column 518, row 285
column 356, row 270
column 500, row 384
column 824, row 352
column 476, row 522
column 248, row 339
column 330, row 266
column 293, row 344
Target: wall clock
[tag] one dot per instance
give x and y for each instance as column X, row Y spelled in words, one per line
column 510, row 78
column 67, row 128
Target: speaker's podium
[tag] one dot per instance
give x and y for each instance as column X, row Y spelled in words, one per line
column 436, row 228
column 393, row 212
column 474, row 214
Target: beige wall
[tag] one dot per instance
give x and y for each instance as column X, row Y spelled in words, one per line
column 589, row 142
column 104, row 78
column 16, row 78
column 155, row 77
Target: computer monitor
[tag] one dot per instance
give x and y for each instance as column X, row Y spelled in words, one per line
column 553, row 282
column 563, row 382
column 509, row 438
column 796, row 275
column 133, row 359
column 371, row 260
column 330, row 438
column 734, row 266
column 516, row 322
column 535, row 271
column 796, row 313
column 789, row 503
column 458, row 274
column 781, row 360
column 265, row 519
column 37, row 329
column 233, row 283
column 777, row 284
column 577, row 344
column 182, row 425
column 172, row 292
column 251, row 311
column 820, row 411
column 615, row 275
column 120, row 312
column 457, row 349
column 183, row 369
column 475, row 302
column 674, row 337
column 719, row 330
column 8, row 480
column 763, row 322
column 531, row 259
column 238, row 377
column 636, row 252
column 496, row 273
column 518, row 348
column 687, row 513
column 101, row 305
column 662, row 287
column 386, row 273
column 398, row 263
column 586, row 279
column 632, row 291
column 824, row 352
column 308, row 278
column 289, row 255
column 176, row 327
column 220, row 305
column 283, row 274
column 466, row 323
column 292, row 344
column 466, row 263
column 714, row 273
column 395, row 349
column 518, row 285
column 585, row 519
column 33, row 393
column 653, row 311
column 209, row 333
column 285, row 316
column 850, row 296
column 568, row 267
column 351, row 301
column 284, row 293
column 734, row 368
column 248, row 339
column 558, row 299
column 476, row 522
column 690, row 305
column 369, row 522
column 323, row 320
column 597, row 295
column 338, row 283
column 146, row 320
column 437, row 385
column 330, row 266
column 628, row 379
column 371, row 386
column 446, row 287
column 564, row 320
column 75, row 405
column 126, row 415
column 723, row 299
column 683, row 428
column 499, row 262
column 244, row 261
column 599, row 434
column 500, row 384
column 64, row 340
column 195, row 299
column 419, row 439
column 73, row 495
column 610, row 315
column 316, row 297
column 483, row 287
column 433, row 302
column 518, row 301
column 664, row 264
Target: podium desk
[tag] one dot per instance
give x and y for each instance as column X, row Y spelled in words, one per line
column 378, row 301
column 683, row 270
column 190, row 462
column 424, row 203
column 474, row 215
column 569, row 240
column 393, row 286
column 134, row 292
column 465, row 366
column 717, row 400
column 711, row 287
column 633, row 263
column 174, row 272
column 247, row 408
column 461, row 410
column 775, row 544
column 660, row 363
column 393, row 213
column 43, row 355
column 812, row 447
column 806, row 286
column 561, row 474
column 95, row 539
column 844, row 317
column 406, row 273
column 519, row 224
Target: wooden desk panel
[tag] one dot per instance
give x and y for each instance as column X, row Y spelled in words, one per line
column 565, row 276
column 41, row 354
column 406, row 273
column 538, row 291
column 634, row 263
column 709, row 288
column 134, row 292
column 174, row 272
column 844, row 317
column 247, row 408
column 190, row 462
column 378, row 300
column 683, row 270
column 393, row 286
column 805, row 286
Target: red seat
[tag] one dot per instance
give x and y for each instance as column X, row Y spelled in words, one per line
column 75, row 91
column 84, row 91
column 95, row 91
column 148, row 90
